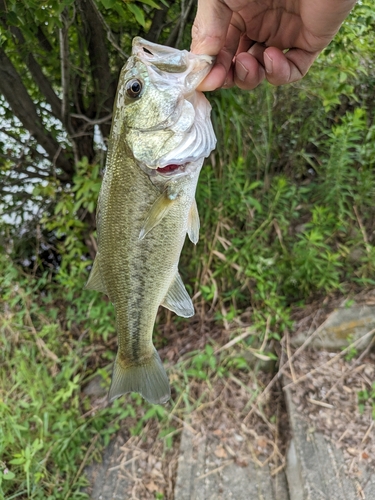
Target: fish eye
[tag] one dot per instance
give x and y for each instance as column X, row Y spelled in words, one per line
column 134, row 88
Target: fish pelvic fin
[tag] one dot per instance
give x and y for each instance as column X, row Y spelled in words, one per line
column 193, row 223
column 149, row 379
column 178, row 300
column 95, row 281
column 159, row 210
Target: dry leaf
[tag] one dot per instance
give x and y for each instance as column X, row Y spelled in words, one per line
column 262, row 442
column 151, row 486
column 220, row 452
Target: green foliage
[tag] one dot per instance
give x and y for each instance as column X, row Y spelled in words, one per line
column 367, row 396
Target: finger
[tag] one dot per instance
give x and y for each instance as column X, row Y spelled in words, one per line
column 248, row 73
column 219, row 75
column 210, row 27
column 289, row 67
column 244, row 44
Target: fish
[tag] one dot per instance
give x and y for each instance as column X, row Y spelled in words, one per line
column 161, row 132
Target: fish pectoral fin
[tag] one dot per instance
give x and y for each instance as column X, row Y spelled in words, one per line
column 193, row 223
column 148, row 379
column 158, row 211
column 178, row 300
column 95, row 281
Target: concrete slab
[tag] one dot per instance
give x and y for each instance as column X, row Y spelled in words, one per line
column 108, row 481
column 202, row 475
column 316, row 469
column 344, row 326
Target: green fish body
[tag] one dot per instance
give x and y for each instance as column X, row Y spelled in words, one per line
column 160, row 134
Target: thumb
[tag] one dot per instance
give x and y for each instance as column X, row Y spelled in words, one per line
column 210, row 27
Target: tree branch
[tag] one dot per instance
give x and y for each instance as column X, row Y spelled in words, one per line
column 64, row 59
column 38, row 76
column 175, row 36
column 157, row 24
column 34, row 68
column 107, row 29
column 14, row 91
column 104, row 83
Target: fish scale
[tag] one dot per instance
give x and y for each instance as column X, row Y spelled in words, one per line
column 144, row 216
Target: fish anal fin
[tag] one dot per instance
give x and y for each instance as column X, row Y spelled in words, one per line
column 178, row 300
column 148, row 379
column 159, row 210
column 95, row 281
column 193, row 223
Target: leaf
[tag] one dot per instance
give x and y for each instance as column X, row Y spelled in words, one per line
column 17, row 461
column 151, row 486
column 220, row 452
column 9, row 475
column 151, row 3
column 138, row 14
column 108, row 3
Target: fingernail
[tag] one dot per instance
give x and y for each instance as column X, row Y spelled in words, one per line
column 241, row 71
column 268, row 63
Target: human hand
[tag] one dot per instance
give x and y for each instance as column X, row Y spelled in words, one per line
column 250, row 38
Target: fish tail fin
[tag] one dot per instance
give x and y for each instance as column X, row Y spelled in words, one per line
column 148, row 379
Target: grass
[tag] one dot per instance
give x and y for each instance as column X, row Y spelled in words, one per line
column 50, row 429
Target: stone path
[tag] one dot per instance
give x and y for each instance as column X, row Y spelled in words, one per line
column 108, row 482
column 201, row 475
column 315, row 468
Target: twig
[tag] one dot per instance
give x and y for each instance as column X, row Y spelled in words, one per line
column 107, row 29
column 39, row 341
column 264, row 343
column 356, row 362
column 183, row 19
column 320, row 403
column 92, row 122
column 81, row 467
column 363, row 230
column 185, row 424
column 215, row 470
column 285, row 365
column 331, row 361
column 133, row 459
column 288, row 353
column 278, row 469
column 234, row 341
column 368, row 431
column 259, row 413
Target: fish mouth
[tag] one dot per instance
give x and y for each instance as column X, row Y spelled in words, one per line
column 172, row 169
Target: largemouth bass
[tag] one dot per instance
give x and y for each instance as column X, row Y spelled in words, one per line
column 161, row 133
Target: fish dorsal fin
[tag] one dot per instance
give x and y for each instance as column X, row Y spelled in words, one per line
column 95, row 281
column 193, row 223
column 178, row 300
column 159, row 209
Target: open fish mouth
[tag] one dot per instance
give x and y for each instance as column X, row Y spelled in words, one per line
column 171, row 169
